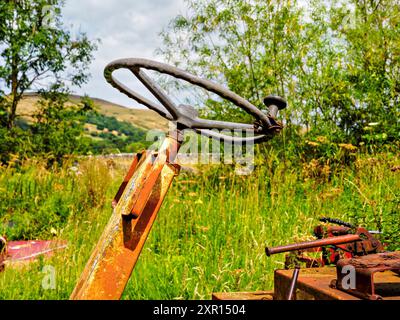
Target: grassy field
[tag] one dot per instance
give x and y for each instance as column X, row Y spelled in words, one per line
column 211, row 232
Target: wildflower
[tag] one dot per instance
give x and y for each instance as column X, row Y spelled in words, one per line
column 237, row 271
column 348, row 146
column 58, row 187
column 204, row 229
column 312, row 143
column 322, row 139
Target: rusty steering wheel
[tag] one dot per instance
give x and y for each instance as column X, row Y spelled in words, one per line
column 186, row 116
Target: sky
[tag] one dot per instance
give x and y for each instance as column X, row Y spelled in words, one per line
column 127, row 29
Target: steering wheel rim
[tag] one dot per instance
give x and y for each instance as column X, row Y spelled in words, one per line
column 184, row 115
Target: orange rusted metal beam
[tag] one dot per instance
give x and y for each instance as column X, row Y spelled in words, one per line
column 128, row 177
column 135, row 208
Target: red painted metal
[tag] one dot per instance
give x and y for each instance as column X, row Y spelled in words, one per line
column 32, row 249
column 27, row 251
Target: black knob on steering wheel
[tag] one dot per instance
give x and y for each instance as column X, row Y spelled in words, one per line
column 187, row 116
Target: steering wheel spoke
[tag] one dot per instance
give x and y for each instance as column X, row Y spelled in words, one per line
column 231, row 139
column 157, row 92
column 221, row 125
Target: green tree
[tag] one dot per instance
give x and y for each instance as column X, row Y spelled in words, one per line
column 38, row 53
column 351, row 70
column 337, row 63
column 36, row 48
column 58, row 126
column 372, row 43
column 250, row 46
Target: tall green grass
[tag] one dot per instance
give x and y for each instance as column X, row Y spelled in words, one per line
column 211, row 232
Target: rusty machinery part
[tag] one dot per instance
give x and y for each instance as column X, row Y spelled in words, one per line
column 337, row 222
column 186, row 116
column 135, row 209
column 146, row 183
column 15, row 253
column 341, row 245
column 365, row 267
column 293, row 283
column 3, row 252
column 3, row 244
column 334, row 242
column 344, row 239
column 330, row 255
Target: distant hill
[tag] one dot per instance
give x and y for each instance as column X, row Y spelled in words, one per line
column 141, row 118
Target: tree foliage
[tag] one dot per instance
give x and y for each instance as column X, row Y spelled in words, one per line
column 337, row 63
column 57, row 127
column 37, row 53
column 35, row 47
column 115, row 136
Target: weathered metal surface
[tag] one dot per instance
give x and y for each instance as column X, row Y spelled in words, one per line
column 334, row 242
column 337, row 222
column 344, row 246
column 3, row 252
column 31, row 249
column 15, row 253
column 312, row 284
column 128, row 176
column 130, row 195
column 293, row 284
column 186, row 116
column 141, row 193
column 313, row 244
column 366, row 267
column 258, row 295
column 368, row 244
column 111, row 264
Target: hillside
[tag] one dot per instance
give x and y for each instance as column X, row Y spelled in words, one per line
column 141, row 118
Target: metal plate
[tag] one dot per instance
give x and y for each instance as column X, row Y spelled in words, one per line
column 314, row 284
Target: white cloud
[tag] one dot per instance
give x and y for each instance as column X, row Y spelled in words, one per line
column 126, row 28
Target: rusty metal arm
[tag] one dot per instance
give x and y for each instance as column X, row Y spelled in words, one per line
column 145, row 186
column 313, row 244
column 135, row 208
